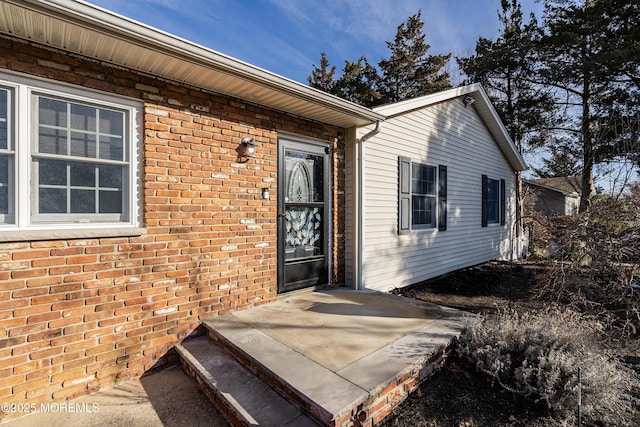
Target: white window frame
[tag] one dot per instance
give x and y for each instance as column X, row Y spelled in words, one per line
column 432, row 199
column 496, row 182
column 24, row 90
column 9, row 151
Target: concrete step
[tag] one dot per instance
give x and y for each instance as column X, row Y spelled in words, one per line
column 343, row 359
column 241, row 396
column 327, row 397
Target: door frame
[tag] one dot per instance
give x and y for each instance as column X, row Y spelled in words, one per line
column 316, row 147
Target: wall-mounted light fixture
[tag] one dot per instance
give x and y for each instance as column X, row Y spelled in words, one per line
column 468, row 100
column 265, row 193
column 247, row 149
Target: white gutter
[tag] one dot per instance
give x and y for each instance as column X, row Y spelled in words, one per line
column 359, row 270
column 96, row 19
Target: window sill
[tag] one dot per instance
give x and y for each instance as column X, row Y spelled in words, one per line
column 418, row 229
column 86, row 233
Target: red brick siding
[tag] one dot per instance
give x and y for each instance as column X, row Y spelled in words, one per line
column 83, row 314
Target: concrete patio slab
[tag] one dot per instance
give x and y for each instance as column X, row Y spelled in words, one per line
column 338, row 351
column 338, row 327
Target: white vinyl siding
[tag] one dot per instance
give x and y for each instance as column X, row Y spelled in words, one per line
column 448, row 134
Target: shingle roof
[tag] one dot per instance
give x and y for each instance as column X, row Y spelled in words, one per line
column 565, row 184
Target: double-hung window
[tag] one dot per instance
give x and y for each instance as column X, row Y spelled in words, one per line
column 493, row 201
column 422, row 196
column 68, row 157
column 7, row 155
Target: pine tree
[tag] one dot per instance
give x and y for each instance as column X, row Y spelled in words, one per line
column 409, row 71
column 358, row 82
column 588, row 58
column 322, row 77
column 569, row 86
column 504, row 67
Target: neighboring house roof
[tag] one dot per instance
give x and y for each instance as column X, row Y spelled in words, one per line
column 94, row 32
column 566, row 185
column 482, row 105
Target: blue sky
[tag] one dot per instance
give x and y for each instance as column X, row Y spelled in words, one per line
column 287, row 36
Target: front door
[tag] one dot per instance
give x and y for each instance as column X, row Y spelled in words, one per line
column 303, row 214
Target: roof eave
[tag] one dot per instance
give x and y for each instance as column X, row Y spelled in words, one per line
column 484, row 108
column 557, row 190
column 327, row 108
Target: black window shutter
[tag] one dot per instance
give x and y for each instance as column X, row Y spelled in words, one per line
column 485, row 198
column 503, row 202
column 404, row 195
column 442, row 198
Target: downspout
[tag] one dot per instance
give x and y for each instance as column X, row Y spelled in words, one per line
column 360, row 214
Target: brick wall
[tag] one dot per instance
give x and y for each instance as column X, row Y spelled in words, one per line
column 79, row 315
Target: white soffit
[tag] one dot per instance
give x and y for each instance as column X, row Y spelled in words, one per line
column 96, row 33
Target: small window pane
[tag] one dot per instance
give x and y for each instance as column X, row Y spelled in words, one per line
column 52, row 200
column 52, row 112
column 111, row 148
column 83, row 145
column 4, row 136
column 83, row 175
column 4, row 200
column 110, row 201
column 52, row 172
column 110, row 176
column 111, row 122
column 83, row 117
column 52, row 141
column 3, row 102
column 83, row 201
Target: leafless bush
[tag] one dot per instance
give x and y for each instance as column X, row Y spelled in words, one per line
column 537, row 355
column 596, row 259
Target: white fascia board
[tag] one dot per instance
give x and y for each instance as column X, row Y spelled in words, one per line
column 401, row 107
column 484, row 108
column 94, row 18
